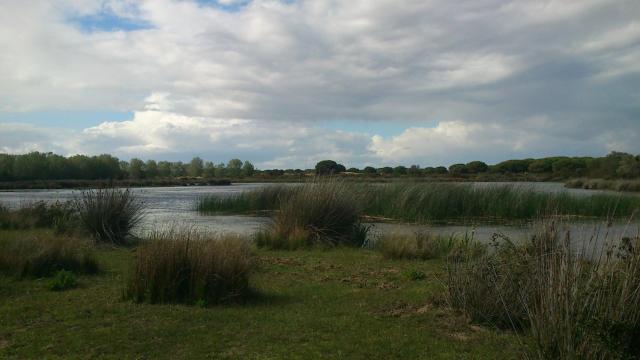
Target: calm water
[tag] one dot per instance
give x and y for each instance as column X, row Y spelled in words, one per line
column 175, row 205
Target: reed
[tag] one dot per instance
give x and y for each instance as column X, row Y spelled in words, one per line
column 110, row 215
column 421, row 245
column 320, row 213
column 45, row 254
column 186, row 266
column 442, row 202
column 574, row 302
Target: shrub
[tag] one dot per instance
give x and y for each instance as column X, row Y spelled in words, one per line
column 319, row 213
column 63, row 280
column 575, row 304
column 42, row 256
column 110, row 215
column 415, row 275
column 185, row 266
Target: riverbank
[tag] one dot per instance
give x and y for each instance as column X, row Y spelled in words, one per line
column 602, row 184
column 340, row 303
column 123, row 183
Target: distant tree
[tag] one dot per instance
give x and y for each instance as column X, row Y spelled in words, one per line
column 513, row 166
column 248, row 169
column 195, row 167
column 209, row 169
column 221, row 170
column 476, row 167
column 178, row 169
column 541, row 166
column 353, row 170
column 369, row 170
column 441, row 170
column 6, row 167
column 458, row 169
column 164, row 169
column 328, row 167
column 400, row 170
column 136, row 169
column 151, row 169
column 387, row 170
column 414, row 170
column 629, row 167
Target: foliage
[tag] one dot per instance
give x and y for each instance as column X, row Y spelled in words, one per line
column 329, row 167
column 63, row 280
column 110, row 215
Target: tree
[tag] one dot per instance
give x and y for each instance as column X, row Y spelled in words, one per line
column 220, row 170
column 414, row 170
column 328, row 167
column 369, row 170
column 476, row 167
column 234, row 167
column 629, row 167
column 136, row 169
column 151, row 169
column 195, row 167
column 248, row 169
column 209, row 169
column 178, row 169
column 458, row 169
column 400, row 170
column 385, row 170
column 164, row 169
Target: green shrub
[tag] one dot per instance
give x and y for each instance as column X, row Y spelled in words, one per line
column 415, row 275
column 185, row 266
column 42, row 256
column 63, row 280
column 574, row 304
column 110, row 215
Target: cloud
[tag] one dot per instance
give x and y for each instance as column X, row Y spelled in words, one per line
column 198, row 74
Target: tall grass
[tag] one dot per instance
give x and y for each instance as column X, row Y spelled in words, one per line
column 110, row 215
column 576, row 303
column 58, row 216
column 186, row 266
column 319, row 213
column 43, row 255
column 438, row 202
column 423, row 245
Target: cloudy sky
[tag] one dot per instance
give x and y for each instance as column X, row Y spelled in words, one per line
column 285, row 83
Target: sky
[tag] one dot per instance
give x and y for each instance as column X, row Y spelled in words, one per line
column 285, row 84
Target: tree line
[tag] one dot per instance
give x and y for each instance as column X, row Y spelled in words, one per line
column 49, row 166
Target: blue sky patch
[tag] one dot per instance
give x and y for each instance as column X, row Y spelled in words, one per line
column 76, row 120
column 107, row 21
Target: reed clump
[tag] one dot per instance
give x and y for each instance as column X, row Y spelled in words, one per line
column 575, row 303
column 59, row 216
column 44, row 255
column 110, row 215
column 322, row 213
column 261, row 199
column 421, row 245
column 190, row 267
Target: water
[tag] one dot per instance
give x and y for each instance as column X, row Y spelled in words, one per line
column 166, row 206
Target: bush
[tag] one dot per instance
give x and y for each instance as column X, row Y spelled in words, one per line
column 43, row 256
column 185, row 266
column 319, row 213
column 110, row 215
column 415, row 275
column 574, row 304
column 63, row 280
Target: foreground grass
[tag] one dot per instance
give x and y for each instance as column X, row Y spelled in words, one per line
column 440, row 202
column 342, row 303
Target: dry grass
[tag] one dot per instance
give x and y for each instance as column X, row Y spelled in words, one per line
column 575, row 302
column 421, row 245
column 43, row 255
column 187, row 266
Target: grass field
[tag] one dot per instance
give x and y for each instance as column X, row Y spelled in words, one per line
column 340, row 303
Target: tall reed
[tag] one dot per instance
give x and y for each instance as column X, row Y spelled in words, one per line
column 110, row 215
column 575, row 302
column 438, row 202
column 186, row 266
column 322, row 212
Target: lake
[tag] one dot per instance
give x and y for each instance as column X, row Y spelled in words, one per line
column 175, row 205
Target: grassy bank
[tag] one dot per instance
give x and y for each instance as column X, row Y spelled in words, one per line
column 343, row 303
column 601, row 184
column 437, row 202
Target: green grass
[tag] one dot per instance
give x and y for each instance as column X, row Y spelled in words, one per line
column 442, row 202
column 341, row 303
